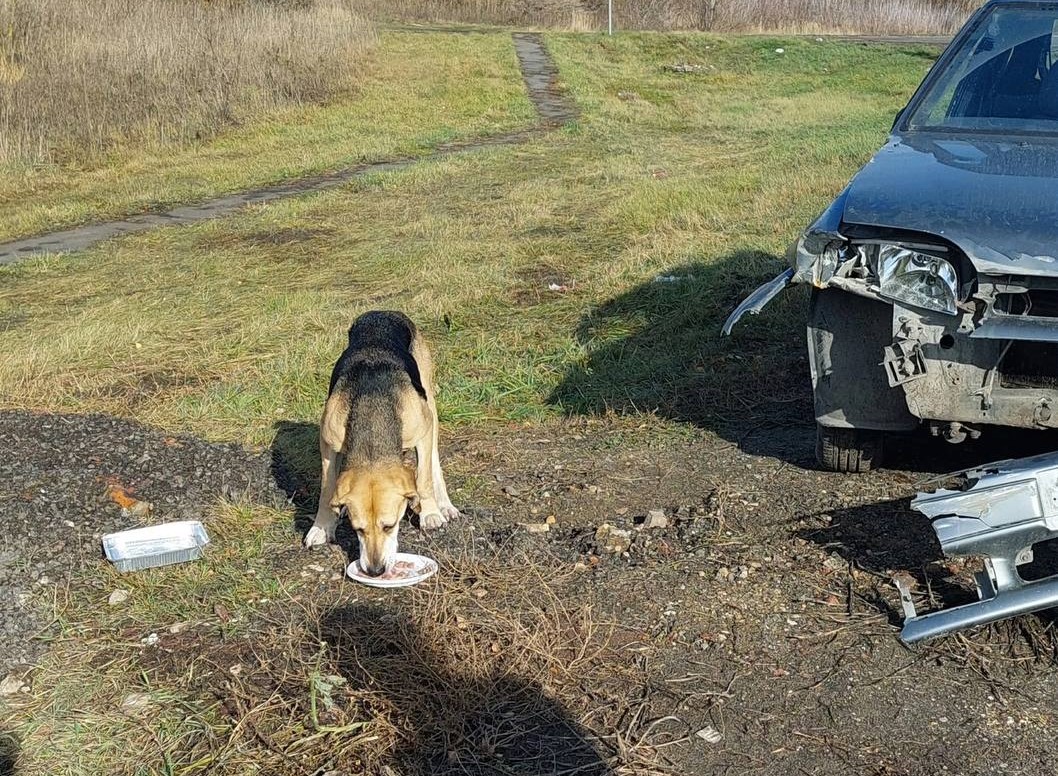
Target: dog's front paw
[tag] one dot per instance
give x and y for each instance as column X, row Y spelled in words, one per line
column 432, row 522
column 449, row 512
column 317, row 537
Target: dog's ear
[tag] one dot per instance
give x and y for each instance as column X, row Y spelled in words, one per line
column 410, row 458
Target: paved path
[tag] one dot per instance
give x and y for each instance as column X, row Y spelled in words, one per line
column 538, row 70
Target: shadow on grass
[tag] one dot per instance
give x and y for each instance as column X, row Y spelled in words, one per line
column 657, row 348
column 453, row 721
column 9, row 749
column 295, row 468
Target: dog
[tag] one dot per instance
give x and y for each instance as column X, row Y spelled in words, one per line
column 378, row 440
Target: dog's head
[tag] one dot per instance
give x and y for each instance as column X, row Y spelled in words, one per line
column 375, row 499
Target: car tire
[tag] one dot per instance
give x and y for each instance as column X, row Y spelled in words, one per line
column 848, row 450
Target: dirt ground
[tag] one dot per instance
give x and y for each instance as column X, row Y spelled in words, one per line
column 762, row 613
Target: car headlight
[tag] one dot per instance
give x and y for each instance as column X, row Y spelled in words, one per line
column 815, row 258
column 917, row 279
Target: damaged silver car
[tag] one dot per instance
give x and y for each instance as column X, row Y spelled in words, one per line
column 934, row 273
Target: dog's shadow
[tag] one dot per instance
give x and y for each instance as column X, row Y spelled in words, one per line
column 8, row 754
column 296, row 469
column 450, row 718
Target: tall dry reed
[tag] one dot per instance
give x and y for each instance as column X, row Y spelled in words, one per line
column 79, row 76
column 879, row 17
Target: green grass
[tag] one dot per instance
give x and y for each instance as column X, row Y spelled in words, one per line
column 417, row 91
column 227, row 328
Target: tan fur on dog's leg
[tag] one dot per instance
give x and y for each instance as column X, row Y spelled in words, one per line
column 430, row 516
column 332, row 436
column 435, row 507
column 448, row 511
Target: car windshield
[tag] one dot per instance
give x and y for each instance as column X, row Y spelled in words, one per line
column 1004, row 76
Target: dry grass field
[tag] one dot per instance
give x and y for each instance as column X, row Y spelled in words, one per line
column 79, row 77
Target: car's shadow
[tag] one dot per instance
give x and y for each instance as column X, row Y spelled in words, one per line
column 657, row 348
column 452, row 716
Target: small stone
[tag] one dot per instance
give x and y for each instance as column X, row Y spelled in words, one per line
column 710, row 735
column 723, row 573
column 119, row 596
column 135, row 703
column 11, row 685
column 835, row 563
column 137, row 509
column 655, row 519
column 780, row 51
column 536, row 528
column 611, row 539
column 742, row 572
column 510, row 490
column 550, row 520
column 593, row 489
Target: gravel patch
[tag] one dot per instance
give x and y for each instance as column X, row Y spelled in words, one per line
column 56, row 472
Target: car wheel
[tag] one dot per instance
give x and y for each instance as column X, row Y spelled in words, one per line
column 848, row 450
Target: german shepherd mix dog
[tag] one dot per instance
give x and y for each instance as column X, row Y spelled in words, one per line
column 378, row 440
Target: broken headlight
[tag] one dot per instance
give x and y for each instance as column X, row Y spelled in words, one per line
column 815, row 258
column 917, row 279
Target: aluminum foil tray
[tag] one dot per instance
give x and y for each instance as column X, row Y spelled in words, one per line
column 156, row 545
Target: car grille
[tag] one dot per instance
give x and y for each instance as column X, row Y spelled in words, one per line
column 1044, row 303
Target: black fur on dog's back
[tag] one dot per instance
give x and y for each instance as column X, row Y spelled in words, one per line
column 371, row 374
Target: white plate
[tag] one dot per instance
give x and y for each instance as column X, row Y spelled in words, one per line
column 420, row 568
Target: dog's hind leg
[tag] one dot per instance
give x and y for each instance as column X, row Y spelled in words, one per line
column 332, row 437
column 440, row 488
column 430, row 515
column 435, row 507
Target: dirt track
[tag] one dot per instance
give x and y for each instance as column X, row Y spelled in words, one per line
column 553, row 109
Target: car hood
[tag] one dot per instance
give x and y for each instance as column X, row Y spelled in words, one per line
column 996, row 200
